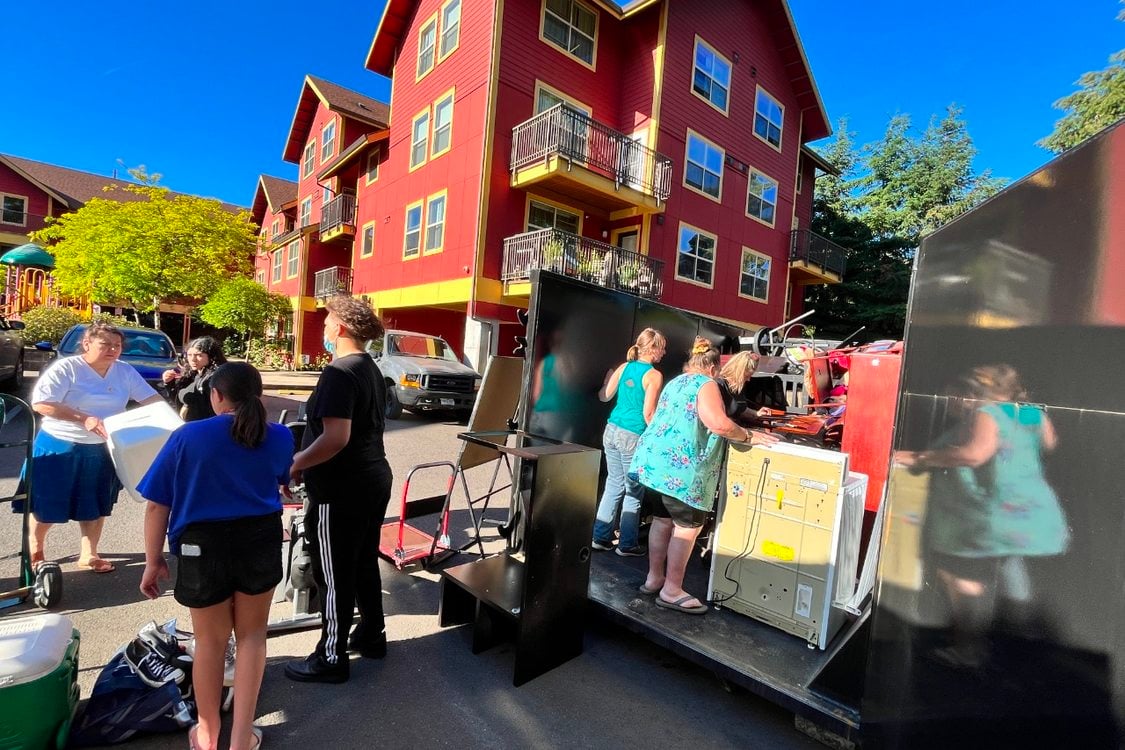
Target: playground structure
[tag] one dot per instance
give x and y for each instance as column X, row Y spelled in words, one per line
column 29, row 282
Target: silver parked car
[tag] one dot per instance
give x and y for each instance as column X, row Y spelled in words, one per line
column 423, row 373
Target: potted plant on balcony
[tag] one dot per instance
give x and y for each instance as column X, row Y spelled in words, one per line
column 627, row 277
column 592, row 270
column 558, row 256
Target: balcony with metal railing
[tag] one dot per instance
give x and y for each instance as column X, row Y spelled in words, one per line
column 814, row 259
column 565, row 149
column 332, row 281
column 337, row 218
column 581, row 258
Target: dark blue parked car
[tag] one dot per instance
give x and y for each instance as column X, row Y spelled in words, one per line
column 151, row 352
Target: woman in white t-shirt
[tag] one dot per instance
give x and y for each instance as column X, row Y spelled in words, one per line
column 72, row 476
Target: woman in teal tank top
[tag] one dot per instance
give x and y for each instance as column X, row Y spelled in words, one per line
column 636, row 385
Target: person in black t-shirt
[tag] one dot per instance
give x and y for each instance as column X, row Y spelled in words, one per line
column 348, row 479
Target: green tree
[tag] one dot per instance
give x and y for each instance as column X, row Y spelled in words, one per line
column 888, row 195
column 244, row 306
column 151, row 246
column 1098, row 103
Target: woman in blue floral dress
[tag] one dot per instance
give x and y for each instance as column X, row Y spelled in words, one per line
column 680, row 455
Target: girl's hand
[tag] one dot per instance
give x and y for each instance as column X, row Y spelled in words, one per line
column 154, row 573
column 168, row 375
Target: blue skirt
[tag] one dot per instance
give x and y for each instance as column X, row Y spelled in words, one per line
column 69, row 481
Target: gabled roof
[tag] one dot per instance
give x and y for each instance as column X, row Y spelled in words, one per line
column 349, row 154
column 336, row 99
column 72, row 187
column 819, row 161
column 382, row 55
column 274, row 194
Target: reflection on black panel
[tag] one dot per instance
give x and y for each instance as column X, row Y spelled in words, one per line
column 998, row 617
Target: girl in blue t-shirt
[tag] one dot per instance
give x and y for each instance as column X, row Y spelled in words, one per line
column 213, row 490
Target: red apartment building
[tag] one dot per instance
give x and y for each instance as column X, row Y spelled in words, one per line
column 651, row 148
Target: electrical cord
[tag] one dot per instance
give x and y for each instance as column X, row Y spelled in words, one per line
column 751, row 538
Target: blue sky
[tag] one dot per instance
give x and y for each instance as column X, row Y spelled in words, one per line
column 204, row 92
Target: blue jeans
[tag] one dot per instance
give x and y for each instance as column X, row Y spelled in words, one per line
column 619, row 446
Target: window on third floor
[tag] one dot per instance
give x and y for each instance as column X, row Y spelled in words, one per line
column 695, row 255
column 367, row 245
column 435, row 223
column 761, row 199
column 325, row 196
column 306, row 212
column 327, row 141
column 419, row 139
column 275, row 228
column 711, row 76
column 427, row 48
column 545, row 216
column 412, row 236
column 443, row 125
column 769, row 117
column 292, row 257
column 703, row 166
column 310, row 158
column 372, row 171
column 277, row 260
column 450, row 27
column 572, row 27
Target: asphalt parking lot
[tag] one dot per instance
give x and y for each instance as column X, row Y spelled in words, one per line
column 430, row 690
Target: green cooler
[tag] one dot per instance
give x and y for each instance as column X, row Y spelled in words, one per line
column 38, row 681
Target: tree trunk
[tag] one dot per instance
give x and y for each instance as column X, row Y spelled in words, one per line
column 156, row 313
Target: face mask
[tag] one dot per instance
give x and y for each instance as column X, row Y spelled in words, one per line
column 329, row 345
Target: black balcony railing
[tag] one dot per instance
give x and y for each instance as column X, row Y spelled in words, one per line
column 582, row 258
column 338, row 212
column 569, row 134
column 331, row 281
column 811, row 248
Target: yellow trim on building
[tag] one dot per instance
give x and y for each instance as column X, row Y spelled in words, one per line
column 489, row 142
column 424, row 295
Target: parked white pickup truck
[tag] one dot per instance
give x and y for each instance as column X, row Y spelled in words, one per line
column 423, row 374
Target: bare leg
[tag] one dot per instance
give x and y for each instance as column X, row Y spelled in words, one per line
column 658, row 536
column 212, row 626
column 91, row 535
column 37, row 539
column 679, row 552
column 251, row 614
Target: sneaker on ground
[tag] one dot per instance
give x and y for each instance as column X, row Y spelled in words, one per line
column 632, row 552
column 148, row 665
column 603, row 546
column 166, row 646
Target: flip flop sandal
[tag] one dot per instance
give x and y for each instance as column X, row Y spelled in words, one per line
column 678, row 605
column 97, row 565
column 649, row 592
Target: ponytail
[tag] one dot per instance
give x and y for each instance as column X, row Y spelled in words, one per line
column 647, row 340
column 633, row 353
column 241, row 384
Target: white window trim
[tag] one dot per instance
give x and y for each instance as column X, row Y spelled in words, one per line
column 364, row 252
column 275, row 228
column 424, row 114
column 777, row 199
column 541, row 87
column 443, row 196
column 276, row 264
column 447, row 96
column 305, row 217
column 406, row 232
column 730, row 85
column 750, row 251
column 714, row 255
column 24, row 213
column 419, row 73
column 442, row 29
column 722, row 163
column 308, row 161
column 324, row 157
column 781, row 128
column 292, row 259
column 593, row 63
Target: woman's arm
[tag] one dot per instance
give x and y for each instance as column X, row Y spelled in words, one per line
column 337, row 432
column 70, row 414
column 156, row 567
column 653, row 381
column 1048, row 438
column 612, row 380
column 713, row 414
column 983, row 442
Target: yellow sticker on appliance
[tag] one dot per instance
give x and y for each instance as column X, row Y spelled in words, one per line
column 777, row 551
column 780, row 497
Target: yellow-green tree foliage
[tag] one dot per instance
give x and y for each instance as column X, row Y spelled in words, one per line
column 156, row 246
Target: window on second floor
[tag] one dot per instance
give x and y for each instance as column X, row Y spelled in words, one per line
column 306, row 212
column 711, row 76
column 545, row 216
column 427, row 48
column 292, row 256
column 367, row 244
column 325, row 196
column 443, row 125
column 754, row 275
column 572, row 27
column 310, row 158
column 761, row 199
column 703, row 166
column 412, row 236
column 260, row 277
column 372, row 171
column 695, row 255
column 276, row 267
column 419, row 139
column 327, row 141
column 769, row 116
column 13, row 210
column 450, row 28
column 435, row 223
